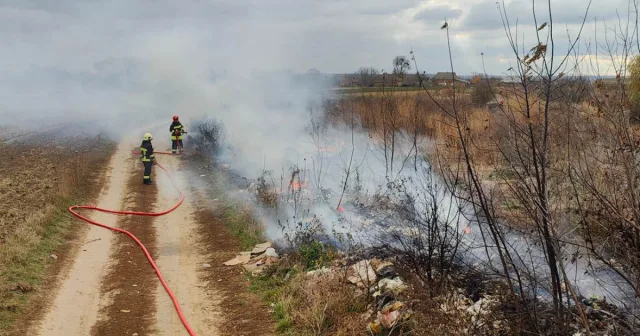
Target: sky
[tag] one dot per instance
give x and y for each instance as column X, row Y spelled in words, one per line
column 333, row 36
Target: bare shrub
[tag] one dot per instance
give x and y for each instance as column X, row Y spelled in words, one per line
column 208, row 137
column 427, row 235
column 482, row 94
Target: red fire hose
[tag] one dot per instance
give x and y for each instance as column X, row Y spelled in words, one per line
column 144, row 249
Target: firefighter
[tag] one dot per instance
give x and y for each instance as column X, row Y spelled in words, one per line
column 147, row 156
column 177, row 130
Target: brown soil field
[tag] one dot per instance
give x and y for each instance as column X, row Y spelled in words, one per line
column 40, row 176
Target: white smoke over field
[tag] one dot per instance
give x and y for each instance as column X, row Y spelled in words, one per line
column 120, row 67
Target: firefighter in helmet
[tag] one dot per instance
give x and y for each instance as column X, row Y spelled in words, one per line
column 177, row 130
column 147, row 156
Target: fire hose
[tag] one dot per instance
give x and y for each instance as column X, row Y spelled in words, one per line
column 144, row 249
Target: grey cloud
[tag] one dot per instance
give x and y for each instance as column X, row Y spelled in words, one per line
column 331, row 35
column 486, row 15
column 438, row 14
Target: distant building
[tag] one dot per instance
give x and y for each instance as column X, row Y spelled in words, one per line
column 448, row 78
column 387, row 80
column 349, row 81
column 411, row 80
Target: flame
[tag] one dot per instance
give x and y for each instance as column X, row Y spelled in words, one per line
column 297, row 185
column 338, row 147
column 467, row 230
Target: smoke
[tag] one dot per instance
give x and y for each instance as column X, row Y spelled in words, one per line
column 119, row 67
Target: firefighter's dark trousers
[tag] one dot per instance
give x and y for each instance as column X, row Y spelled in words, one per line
column 147, row 171
column 175, row 144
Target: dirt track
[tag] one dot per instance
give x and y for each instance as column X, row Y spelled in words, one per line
column 110, row 289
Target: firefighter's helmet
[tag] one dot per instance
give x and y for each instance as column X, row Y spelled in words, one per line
column 175, row 118
column 147, row 137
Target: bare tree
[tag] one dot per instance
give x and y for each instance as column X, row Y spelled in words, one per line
column 367, row 76
column 401, row 65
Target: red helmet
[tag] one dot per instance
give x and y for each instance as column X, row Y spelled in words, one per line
column 175, row 118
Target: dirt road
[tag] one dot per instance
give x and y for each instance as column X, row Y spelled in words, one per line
column 110, row 289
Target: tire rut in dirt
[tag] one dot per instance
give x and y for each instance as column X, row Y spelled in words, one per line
column 130, row 285
column 244, row 314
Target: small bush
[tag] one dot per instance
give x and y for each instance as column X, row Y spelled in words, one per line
column 314, row 254
column 208, row 137
column 482, row 94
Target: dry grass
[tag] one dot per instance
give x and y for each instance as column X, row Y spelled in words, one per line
column 39, row 182
column 321, row 305
column 588, row 144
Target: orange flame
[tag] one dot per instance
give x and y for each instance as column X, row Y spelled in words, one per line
column 297, row 185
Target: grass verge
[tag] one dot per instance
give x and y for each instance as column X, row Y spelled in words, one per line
column 33, row 264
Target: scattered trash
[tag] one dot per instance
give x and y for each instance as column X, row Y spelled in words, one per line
column 389, row 316
column 125, row 311
column 363, row 274
column 386, row 270
column 206, row 265
column 55, row 257
column 396, row 286
column 254, row 261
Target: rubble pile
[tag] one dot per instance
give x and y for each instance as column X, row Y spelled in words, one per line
column 379, row 280
column 256, row 260
column 390, row 308
column 604, row 318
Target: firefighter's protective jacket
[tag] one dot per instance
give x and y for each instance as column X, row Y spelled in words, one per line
column 176, row 130
column 146, row 151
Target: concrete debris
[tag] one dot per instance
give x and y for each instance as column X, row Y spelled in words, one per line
column 458, row 302
column 238, row 260
column 261, row 248
column 250, row 267
column 363, row 274
column 255, row 260
column 271, row 252
column 481, row 309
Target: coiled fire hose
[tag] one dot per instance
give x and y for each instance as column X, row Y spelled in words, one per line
column 144, row 249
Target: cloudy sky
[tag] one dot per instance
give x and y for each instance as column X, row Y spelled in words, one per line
column 330, row 35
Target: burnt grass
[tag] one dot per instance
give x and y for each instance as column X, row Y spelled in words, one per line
column 518, row 313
